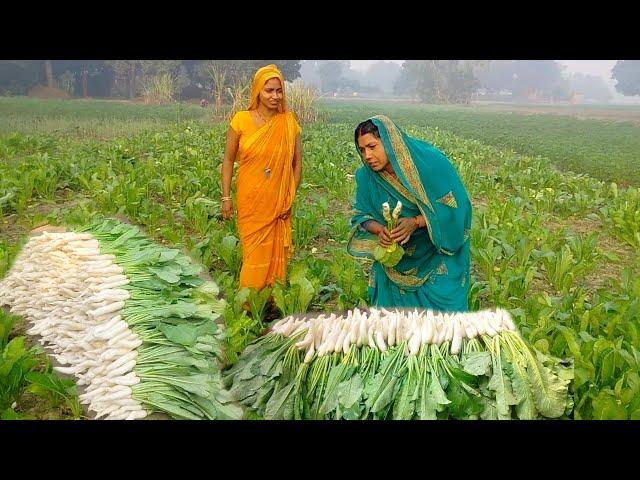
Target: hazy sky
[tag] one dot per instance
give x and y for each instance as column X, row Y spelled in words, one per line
column 592, row 67
column 362, row 65
column 600, row 68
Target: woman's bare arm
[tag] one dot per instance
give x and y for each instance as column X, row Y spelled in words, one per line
column 297, row 162
column 230, row 152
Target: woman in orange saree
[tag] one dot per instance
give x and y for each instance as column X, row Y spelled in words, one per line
column 265, row 138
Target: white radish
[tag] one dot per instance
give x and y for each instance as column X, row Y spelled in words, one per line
column 122, row 336
column 450, row 324
column 66, row 370
column 456, row 343
column 383, row 327
column 362, row 331
column 105, row 412
column 309, row 355
column 442, row 332
column 124, row 393
column 317, row 335
column 398, row 325
column 426, row 332
column 121, row 370
column 414, row 342
column 136, row 415
column 124, row 359
column 340, row 338
column 126, row 380
column 391, row 331
column 507, row 321
column 469, row 328
column 109, row 308
column 346, row 344
column 107, row 325
column 117, row 329
column 484, row 320
column 380, row 341
column 370, row 333
column 479, row 325
column 306, row 341
column 116, row 283
column 494, row 321
column 354, row 325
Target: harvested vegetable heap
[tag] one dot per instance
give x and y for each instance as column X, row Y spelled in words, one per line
column 132, row 320
column 400, row 365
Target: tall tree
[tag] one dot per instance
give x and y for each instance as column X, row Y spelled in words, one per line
column 18, row 76
column 179, row 73
column 497, row 76
column 125, row 72
column 438, row 81
column 591, row 87
column 331, row 73
column 215, row 78
column 85, row 79
column 48, row 70
column 290, row 68
column 309, row 72
column 537, row 78
column 235, row 70
column 527, row 79
column 83, row 70
column 627, row 75
column 132, row 79
column 381, row 75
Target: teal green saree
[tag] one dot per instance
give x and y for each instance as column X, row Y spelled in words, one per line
column 434, row 271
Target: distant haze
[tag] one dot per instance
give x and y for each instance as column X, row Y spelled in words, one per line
column 601, row 68
column 363, row 65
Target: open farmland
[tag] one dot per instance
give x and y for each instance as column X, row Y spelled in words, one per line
column 554, row 241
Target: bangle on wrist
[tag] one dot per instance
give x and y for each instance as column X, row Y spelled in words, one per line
column 225, row 198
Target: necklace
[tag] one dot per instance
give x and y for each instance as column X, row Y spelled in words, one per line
column 260, row 115
column 267, row 170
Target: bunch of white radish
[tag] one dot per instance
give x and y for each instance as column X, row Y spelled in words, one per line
column 382, row 329
column 73, row 297
column 391, row 255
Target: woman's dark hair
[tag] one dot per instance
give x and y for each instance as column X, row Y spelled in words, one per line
column 366, row 127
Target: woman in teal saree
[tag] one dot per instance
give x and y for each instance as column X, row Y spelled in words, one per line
column 434, row 222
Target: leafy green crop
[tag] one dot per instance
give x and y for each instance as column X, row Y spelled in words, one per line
column 558, row 249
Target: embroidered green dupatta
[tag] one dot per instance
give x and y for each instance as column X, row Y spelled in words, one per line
column 434, row 272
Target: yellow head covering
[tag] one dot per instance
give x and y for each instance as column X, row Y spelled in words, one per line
column 261, row 77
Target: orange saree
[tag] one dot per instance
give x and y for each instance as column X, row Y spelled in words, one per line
column 265, row 191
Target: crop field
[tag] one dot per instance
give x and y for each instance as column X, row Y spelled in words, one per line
column 555, row 235
column 574, row 138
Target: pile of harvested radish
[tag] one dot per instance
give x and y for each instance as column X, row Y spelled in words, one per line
column 400, row 364
column 131, row 320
